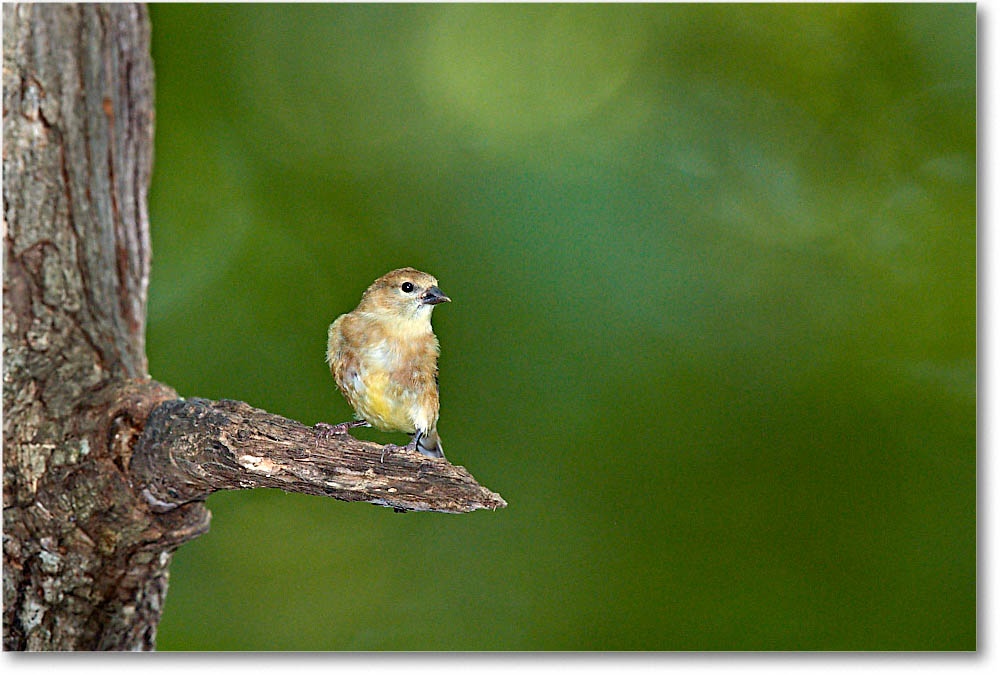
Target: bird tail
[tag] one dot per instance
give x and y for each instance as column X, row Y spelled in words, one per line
column 430, row 444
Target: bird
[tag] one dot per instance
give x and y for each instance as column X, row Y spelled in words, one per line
column 384, row 357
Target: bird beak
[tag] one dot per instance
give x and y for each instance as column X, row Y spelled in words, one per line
column 433, row 296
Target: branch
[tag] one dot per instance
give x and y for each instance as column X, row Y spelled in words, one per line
column 194, row 447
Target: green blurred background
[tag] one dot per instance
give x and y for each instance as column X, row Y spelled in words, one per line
column 713, row 334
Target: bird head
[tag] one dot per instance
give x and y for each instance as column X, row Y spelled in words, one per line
column 403, row 294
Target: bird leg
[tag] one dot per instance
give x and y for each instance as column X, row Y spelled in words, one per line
column 324, row 430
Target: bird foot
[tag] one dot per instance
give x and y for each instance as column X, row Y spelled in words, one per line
column 389, row 447
column 327, row 431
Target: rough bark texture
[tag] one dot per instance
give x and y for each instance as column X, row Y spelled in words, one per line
column 194, row 447
column 95, row 498
column 78, row 121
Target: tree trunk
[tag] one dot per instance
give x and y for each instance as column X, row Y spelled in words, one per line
column 95, row 499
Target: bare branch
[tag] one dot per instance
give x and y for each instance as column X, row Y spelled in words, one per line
column 192, row 448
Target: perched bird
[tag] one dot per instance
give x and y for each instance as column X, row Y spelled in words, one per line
column 384, row 358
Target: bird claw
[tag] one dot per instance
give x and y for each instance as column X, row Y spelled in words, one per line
column 411, row 446
column 328, row 431
column 387, row 446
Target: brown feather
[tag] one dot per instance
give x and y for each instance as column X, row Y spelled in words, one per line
column 383, row 356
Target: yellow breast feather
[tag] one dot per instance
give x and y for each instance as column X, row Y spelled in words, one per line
column 384, row 355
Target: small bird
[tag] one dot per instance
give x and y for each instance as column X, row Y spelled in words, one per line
column 384, row 357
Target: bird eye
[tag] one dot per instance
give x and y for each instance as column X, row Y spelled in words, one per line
column 407, row 287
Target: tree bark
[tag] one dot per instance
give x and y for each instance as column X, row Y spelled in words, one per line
column 195, row 447
column 105, row 470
